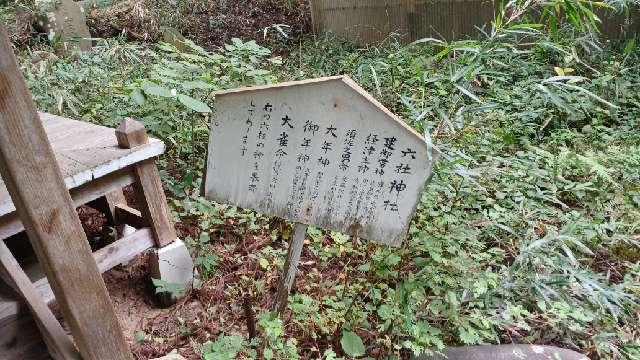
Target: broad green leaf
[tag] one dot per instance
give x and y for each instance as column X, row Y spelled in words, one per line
column 554, row 98
column 581, row 89
column 194, row 104
column 364, row 267
column 569, row 78
column 197, row 84
column 630, row 46
column 393, row 259
column 468, row 336
column 152, row 89
column 352, row 344
column 526, row 26
column 138, row 97
column 139, row 336
column 163, row 286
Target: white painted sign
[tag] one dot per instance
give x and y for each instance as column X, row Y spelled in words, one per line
column 321, row 152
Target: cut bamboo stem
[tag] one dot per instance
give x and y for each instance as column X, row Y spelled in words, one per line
column 290, row 266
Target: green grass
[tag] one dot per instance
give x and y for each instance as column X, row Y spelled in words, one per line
column 528, row 231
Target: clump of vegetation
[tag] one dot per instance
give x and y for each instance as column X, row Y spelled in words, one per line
column 528, row 231
column 207, row 22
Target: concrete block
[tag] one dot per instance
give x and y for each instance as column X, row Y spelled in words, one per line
column 69, row 21
column 505, row 352
column 172, row 356
column 172, row 264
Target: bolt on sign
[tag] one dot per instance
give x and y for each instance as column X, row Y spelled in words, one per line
column 321, row 152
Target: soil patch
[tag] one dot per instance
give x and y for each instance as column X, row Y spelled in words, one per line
column 208, row 23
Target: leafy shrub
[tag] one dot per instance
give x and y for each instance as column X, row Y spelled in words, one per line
column 527, row 232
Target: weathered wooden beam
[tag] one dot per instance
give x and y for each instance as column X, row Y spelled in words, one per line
column 119, row 252
column 59, row 344
column 114, row 198
column 10, row 224
column 127, row 215
column 10, row 302
column 290, row 266
column 107, row 203
column 21, row 339
column 110, row 256
column 36, row 185
column 148, row 187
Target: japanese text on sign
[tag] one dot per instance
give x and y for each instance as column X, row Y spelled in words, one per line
column 320, row 152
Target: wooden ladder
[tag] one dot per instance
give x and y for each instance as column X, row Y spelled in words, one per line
column 45, row 207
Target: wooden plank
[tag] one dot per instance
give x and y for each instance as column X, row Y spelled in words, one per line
column 371, row 21
column 124, row 250
column 290, row 266
column 121, row 251
column 129, row 216
column 321, row 152
column 97, row 188
column 10, row 302
column 153, row 202
column 21, row 339
column 10, row 224
column 85, row 152
column 148, row 187
column 36, row 185
column 107, row 203
column 59, row 344
column 110, row 256
column 113, row 199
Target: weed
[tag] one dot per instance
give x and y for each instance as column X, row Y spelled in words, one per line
column 524, row 233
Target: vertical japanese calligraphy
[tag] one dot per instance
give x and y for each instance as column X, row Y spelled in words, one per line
column 320, row 152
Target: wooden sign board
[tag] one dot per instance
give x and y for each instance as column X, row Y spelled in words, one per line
column 320, row 152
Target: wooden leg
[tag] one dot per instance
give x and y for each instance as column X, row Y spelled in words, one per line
column 290, row 266
column 36, row 185
column 148, row 187
column 171, row 262
column 129, row 216
column 112, row 199
column 153, row 203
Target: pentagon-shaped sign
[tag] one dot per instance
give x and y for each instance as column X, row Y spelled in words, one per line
column 321, row 152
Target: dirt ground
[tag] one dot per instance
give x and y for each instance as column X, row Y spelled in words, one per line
column 208, row 23
column 210, row 310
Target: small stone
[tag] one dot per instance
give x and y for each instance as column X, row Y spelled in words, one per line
column 175, row 38
column 172, row 356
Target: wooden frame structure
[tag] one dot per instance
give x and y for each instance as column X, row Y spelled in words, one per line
column 43, row 194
